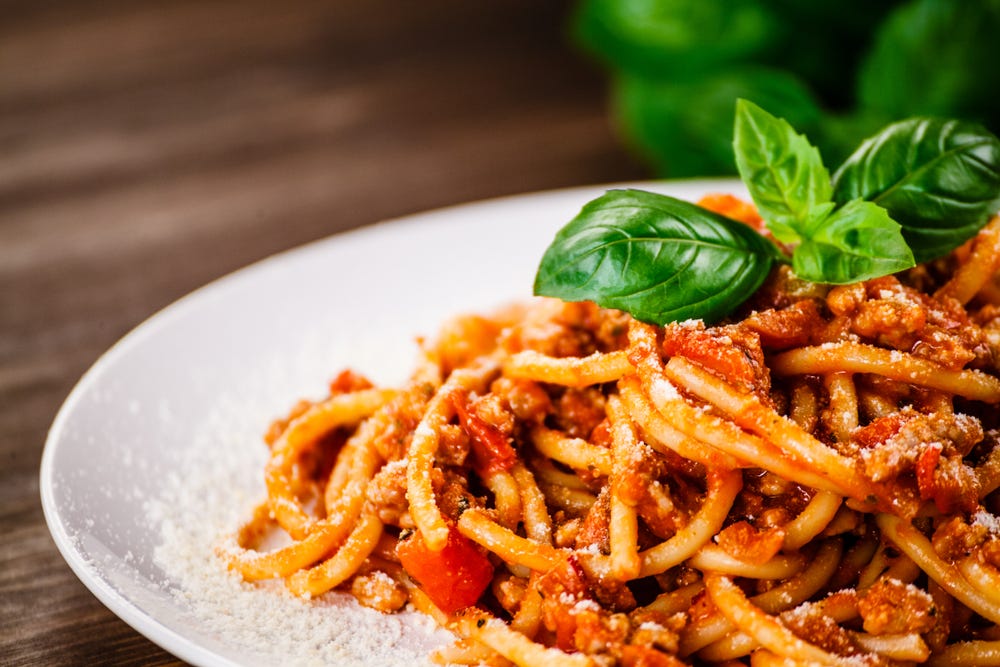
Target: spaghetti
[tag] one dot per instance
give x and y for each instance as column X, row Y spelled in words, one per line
column 813, row 482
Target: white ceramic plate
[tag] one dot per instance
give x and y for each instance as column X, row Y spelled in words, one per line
column 158, row 447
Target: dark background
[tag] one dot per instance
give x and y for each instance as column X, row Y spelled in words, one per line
column 147, row 148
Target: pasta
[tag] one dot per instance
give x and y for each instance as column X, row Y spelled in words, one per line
column 812, row 482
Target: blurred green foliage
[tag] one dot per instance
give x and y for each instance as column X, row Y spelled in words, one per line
column 838, row 71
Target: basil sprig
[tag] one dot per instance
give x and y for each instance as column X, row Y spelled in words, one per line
column 911, row 193
column 791, row 188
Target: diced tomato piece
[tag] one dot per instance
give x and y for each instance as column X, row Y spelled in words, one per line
column 927, row 462
column 730, row 352
column 491, row 450
column 881, row 429
column 452, row 578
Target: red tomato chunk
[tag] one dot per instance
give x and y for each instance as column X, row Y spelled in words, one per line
column 452, row 578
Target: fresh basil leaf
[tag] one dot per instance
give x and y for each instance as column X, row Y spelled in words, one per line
column 657, row 257
column 683, row 139
column 782, row 170
column 858, row 241
column 940, row 179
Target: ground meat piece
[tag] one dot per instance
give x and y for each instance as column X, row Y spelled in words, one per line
column 594, row 530
column 658, row 511
column 611, row 329
column 949, row 316
column 783, row 288
column 509, row 592
column 641, row 473
column 780, row 329
column 564, row 329
column 656, row 629
column 944, row 347
column 525, row 399
column 701, row 608
column 891, row 314
column 818, row 628
column 453, row 495
column 401, row 416
column 606, row 329
column 387, row 493
column 945, row 605
column 577, row 607
column 744, row 542
column 668, row 492
column 955, row 539
column 644, row 467
column 579, row 411
column 379, row 591
column 566, row 530
column 991, row 551
column 846, row 299
column 890, row 606
column 596, row 630
column 569, row 595
column 932, row 446
column 489, row 426
column 950, row 483
column 762, row 494
column 611, row 593
column 491, row 409
column 453, row 445
column 988, row 319
column 561, row 589
column 545, row 329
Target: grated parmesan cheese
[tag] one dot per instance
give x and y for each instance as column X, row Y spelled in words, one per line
column 663, row 390
column 218, row 482
column 990, row 522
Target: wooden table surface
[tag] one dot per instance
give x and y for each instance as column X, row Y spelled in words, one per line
column 149, row 147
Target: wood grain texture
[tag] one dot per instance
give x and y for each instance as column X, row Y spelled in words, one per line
column 149, row 147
